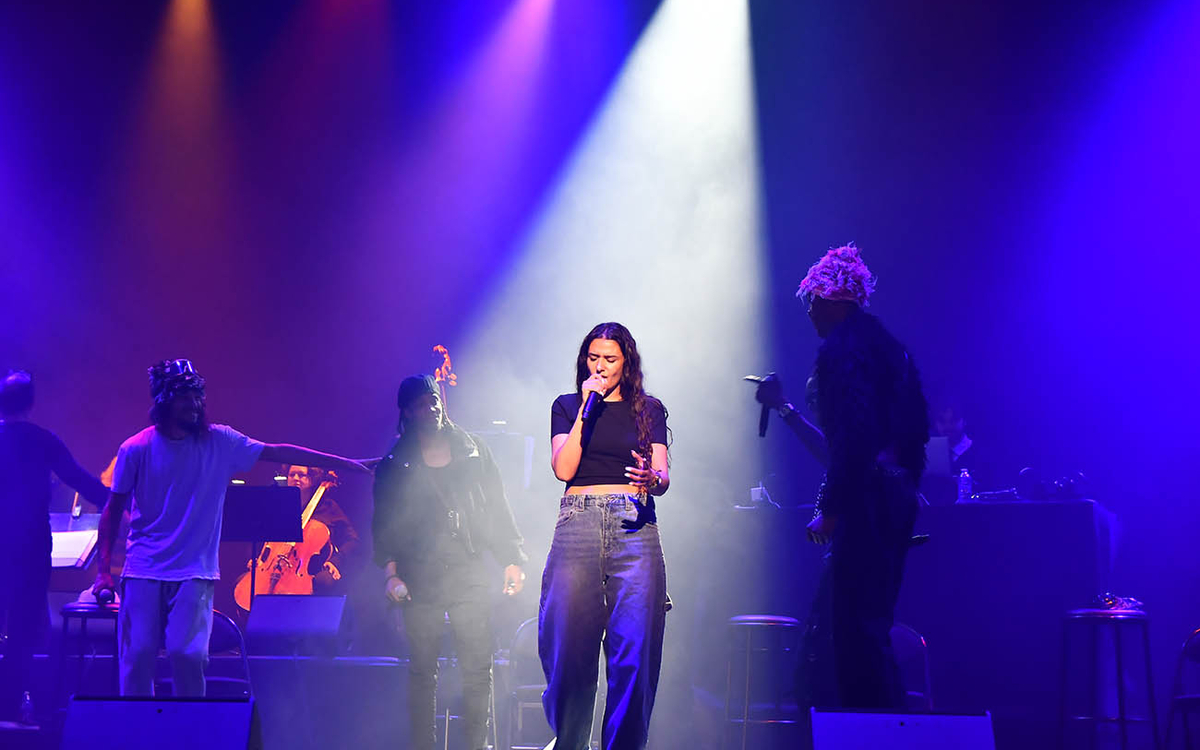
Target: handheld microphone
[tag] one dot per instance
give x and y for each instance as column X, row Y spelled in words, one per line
column 593, row 400
column 400, row 590
column 589, row 406
column 765, row 414
column 105, row 597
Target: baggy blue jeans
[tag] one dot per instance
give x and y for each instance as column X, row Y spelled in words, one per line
column 603, row 584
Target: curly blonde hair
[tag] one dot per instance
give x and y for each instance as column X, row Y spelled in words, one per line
column 841, row 275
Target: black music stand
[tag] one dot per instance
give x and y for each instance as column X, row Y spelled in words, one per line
column 258, row 515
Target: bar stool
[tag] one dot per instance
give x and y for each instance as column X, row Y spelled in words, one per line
column 1095, row 623
column 775, row 639
column 76, row 645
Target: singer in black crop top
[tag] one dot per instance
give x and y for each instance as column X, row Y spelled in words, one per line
column 605, row 579
column 608, row 437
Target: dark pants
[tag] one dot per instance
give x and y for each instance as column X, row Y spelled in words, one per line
column 23, row 616
column 816, row 676
column 463, row 597
column 866, row 567
column 602, row 584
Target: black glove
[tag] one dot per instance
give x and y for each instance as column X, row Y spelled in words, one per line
column 645, row 515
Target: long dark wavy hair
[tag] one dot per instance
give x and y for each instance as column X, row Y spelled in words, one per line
column 631, row 378
column 162, row 409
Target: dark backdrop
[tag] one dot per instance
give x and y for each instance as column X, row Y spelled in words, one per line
column 304, row 198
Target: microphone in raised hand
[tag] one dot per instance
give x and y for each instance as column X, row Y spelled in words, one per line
column 770, row 394
column 595, row 395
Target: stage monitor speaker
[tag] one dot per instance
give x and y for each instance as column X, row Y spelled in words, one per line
column 846, row 730
column 287, row 625
column 155, row 723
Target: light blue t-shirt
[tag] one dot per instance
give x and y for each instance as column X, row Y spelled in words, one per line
column 178, row 497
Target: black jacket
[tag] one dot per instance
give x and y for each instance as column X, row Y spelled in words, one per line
column 409, row 506
column 869, row 400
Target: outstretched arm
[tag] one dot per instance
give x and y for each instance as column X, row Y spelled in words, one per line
column 285, row 453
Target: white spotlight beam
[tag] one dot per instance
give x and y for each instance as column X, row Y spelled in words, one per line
column 654, row 222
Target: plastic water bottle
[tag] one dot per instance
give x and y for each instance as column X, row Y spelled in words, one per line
column 756, row 494
column 27, row 709
column 964, row 486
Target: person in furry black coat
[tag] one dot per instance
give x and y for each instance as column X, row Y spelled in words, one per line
column 871, row 428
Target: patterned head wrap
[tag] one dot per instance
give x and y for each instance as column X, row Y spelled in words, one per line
column 171, row 377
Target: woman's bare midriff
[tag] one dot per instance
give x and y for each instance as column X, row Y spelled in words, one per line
column 603, row 489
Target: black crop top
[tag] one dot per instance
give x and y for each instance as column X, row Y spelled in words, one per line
column 608, row 439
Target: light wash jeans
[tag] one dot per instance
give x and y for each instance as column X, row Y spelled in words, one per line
column 604, row 583
column 179, row 612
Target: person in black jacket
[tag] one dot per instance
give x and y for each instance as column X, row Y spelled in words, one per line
column 439, row 504
column 873, row 418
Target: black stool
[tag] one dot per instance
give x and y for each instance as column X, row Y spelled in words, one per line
column 83, row 613
column 1096, row 622
column 774, row 637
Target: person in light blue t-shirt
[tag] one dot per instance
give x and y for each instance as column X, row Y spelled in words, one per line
column 172, row 476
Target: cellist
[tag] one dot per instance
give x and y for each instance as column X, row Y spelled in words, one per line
column 316, row 564
column 337, row 558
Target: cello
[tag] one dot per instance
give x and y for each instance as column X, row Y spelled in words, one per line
column 283, row 567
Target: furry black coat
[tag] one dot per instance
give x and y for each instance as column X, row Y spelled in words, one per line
column 869, row 401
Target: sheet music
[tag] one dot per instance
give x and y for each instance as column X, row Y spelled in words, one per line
column 71, row 548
